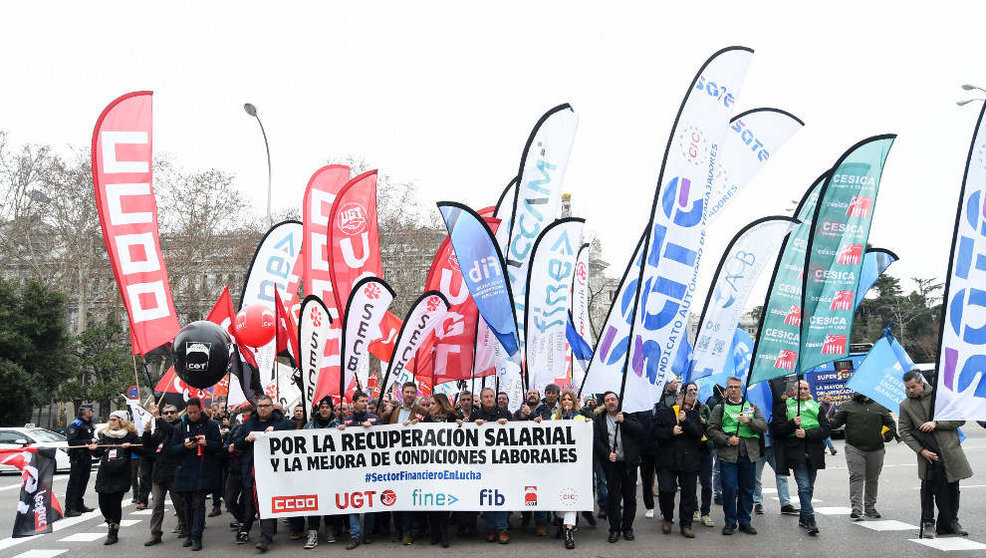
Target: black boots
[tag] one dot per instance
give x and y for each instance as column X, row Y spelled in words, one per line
column 569, row 538
column 812, row 526
column 112, row 536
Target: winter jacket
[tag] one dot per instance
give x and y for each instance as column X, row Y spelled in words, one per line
column 864, row 420
column 914, row 413
column 729, row 453
column 255, row 424
column 681, row 452
column 195, row 472
column 114, row 463
column 630, row 431
column 792, row 452
column 156, row 444
column 79, row 433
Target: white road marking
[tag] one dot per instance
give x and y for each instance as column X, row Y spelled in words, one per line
column 42, row 553
column 55, row 527
column 835, row 510
column 129, row 522
column 887, row 525
column 83, row 537
column 950, row 543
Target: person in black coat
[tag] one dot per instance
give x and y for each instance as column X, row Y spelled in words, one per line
column 113, row 477
column 441, row 411
column 196, row 444
column 616, row 446
column 678, row 431
column 163, row 473
column 80, row 432
column 265, row 419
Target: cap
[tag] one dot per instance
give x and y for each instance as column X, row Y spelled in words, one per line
column 121, row 414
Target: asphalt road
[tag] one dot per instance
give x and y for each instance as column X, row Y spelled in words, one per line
column 895, row 535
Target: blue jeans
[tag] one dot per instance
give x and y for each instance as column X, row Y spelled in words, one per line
column 737, row 490
column 828, row 442
column 354, row 523
column 601, row 491
column 805, row 477
column 541, row 517
column 404, row 521
column 716, row 477
column 783, row 493
column 495, row 521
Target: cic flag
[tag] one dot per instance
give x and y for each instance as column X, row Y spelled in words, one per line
column 840, row 229
column 481, row 263
column 960, row 390
column 121, row 174
column 37, row 508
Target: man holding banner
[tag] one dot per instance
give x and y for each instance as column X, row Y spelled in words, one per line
column 489, row 411
column 360, row 417
column 941, row 461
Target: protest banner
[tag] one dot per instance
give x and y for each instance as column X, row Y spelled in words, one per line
column 440, row 467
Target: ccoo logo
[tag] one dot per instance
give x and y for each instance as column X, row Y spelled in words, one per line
column 352, row 218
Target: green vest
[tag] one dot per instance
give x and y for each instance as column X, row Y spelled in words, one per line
column 729, row 422
column 809, row 412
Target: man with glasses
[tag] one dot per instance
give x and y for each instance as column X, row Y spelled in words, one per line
column 735, row 426
column 799, row 429
column 266, row 419
column 163, row 474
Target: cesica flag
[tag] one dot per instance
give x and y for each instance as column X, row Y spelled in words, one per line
column 961, row 383
column 520, row 466
column 840, row 230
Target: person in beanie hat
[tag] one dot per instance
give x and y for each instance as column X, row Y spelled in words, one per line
column 118, row 443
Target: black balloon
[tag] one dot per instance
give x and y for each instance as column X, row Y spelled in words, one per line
column 202, row 354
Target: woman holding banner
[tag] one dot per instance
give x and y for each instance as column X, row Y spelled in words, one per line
column 441, row 411
column 118, row 443
column 568, row 409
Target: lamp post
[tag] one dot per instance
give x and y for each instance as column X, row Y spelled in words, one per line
column 252, row 111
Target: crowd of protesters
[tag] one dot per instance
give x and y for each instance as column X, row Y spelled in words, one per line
column 692, row 451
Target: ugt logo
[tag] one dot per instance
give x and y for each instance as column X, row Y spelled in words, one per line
column 850, row 254
column 785, row 359
column 793, row 315
column 834, row 345
column 842, row 300
column 352, row 218
column 859, row 206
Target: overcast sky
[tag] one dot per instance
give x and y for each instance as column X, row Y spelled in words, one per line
column 444, row 94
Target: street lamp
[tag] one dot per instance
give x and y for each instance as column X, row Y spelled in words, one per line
column 252, row 111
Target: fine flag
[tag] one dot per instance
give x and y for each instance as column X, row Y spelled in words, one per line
column 676, row 226
column 542, row 172
column 121, row 173
column 880, row 375
column 840, row 230
column 751, row 251
column 960, row 392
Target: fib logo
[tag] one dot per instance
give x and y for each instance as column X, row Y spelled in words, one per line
column 352, row 218
column 294, row 504
column 842, row 300
column 793, row 317
column 850, row 254
column 785, row 359
column 834, row 345
column 859, row 206
column 489, row 497
column 530, row 496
